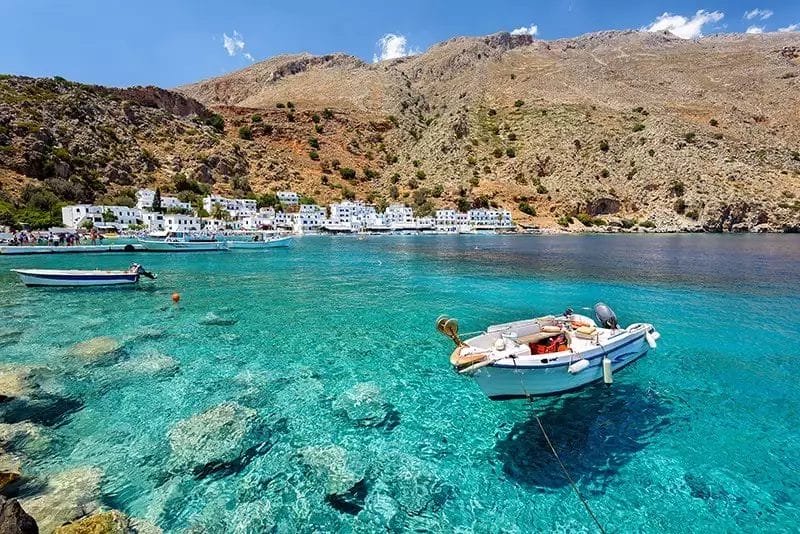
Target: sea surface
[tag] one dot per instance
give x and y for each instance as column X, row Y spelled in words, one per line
column 347, row 417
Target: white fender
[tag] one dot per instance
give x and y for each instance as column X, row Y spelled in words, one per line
column 578, row 366
column 651, row 340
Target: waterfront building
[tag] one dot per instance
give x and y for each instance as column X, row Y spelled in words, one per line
column 153, row 221
column 400, row 217
column 144, row 201
column 350, row 216
column 447, row 220
column 119, row 217
column 489, row 219
column 309, row 218
column 176, row 222
column 236, row 207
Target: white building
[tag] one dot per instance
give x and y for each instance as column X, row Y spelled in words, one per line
column 182, row 223
column 310, row 218
column 119, row 216
column 482, row 218
column 153, row 221
column 219, row 225
column 288, row 198
column 144, row 201
column 236, row 207
column 350, row 216
column 400, row 216
column 447, row 220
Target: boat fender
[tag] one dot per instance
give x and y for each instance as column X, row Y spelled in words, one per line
column 551, row 329
column 607, row 372
column 578, row 366
column 650, row 340
column 500, row 344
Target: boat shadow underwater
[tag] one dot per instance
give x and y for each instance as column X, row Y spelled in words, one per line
column 595, row 433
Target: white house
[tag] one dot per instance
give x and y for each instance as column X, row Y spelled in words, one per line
column 482, row 218
column 181, row 223
column 310, row 218
column 153, row 220
column 447, row 220
column 288, row 198
column 144, row 201
column 400, row 217
column 350, row 216
column 121, row 216
column 237, row 207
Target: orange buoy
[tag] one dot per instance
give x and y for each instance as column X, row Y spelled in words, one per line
column 176, row 297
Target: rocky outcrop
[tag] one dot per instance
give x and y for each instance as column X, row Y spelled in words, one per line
column 364, row 405
column 169, row 101
column 15, row 381
column 67, row 496
column 112, row 522
column 217, row 439
column 96, row 350
column 153, row 364
column 10, row 470
column 14, row 520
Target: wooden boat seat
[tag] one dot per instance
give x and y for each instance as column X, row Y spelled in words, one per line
column 585, row 332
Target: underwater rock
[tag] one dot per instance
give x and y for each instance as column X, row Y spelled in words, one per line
column 364, row 405
column 216, row 438
column 45, row 410
column 212, row 319
column 67, row 496
column 351, row 501
column 10, row 469
column 14, row 435
column 332, row 463
column 14, row 520
column 96, row 350
column 15, row 381
column 154, row 363
column 414, row 485
column 112, row 522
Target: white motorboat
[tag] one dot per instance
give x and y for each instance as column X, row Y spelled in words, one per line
column 260, row 241
column 548, row 355
column 74, row 278
column 182, row 242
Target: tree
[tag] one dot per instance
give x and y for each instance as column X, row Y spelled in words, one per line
column 87, row 224
column 157, row 200
column 220, row 213
column 526, row 208
column 108, row 216
column 245, row 132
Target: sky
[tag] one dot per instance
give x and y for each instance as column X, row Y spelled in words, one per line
column 172, row 42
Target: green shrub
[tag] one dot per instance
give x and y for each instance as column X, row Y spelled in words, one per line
column 318, row 128
column 280, row 105
column 255, row 118
column 215, row 121
column 679, row 206
column 542, row 190
column 313, row 142
column 511, row 153
column 692, row 214
column 713, row 122
column 588, row 220
column 638, row 127
column 604, row 146
column 413, row 184
column 370, row 174
column 245, row 133
column 647, row 224
column 689, row 137
column 498, row 152
column 314, row 155
column 420, row 174
column 604, row 173
column 290, row 105
column 315, row 118
column 474, row 181
column 677, row 188
column 526, row 208
column 628, row 223
column 564, row 220
column 519, row 103
column 347, row 173
column 651, row 152
column 327, row 114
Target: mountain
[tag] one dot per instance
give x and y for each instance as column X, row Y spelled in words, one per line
column 619, row 126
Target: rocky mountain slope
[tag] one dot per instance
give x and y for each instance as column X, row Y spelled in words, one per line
column 618, row 126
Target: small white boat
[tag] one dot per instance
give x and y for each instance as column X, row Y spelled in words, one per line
column 74, row 278
column 260, row 241
column 548, row 355
column 182, row 242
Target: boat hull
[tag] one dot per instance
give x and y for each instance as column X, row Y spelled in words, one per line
column 504, row 381
column 182, row 246
column 282, row 242
column 76, row 280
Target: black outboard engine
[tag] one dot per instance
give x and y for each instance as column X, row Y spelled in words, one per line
column 138, row 269
column 605, row 316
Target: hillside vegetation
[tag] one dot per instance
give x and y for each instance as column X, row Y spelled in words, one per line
column 622, row 127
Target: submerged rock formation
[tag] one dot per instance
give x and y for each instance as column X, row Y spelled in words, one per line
column 67, row 496
column 96, row 350
column 154, row 363
column 216, row 439
column 365, row 406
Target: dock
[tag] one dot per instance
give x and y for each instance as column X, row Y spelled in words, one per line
column 78, row 249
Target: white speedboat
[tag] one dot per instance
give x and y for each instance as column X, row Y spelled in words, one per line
column 548, row 355
column 74, row 278
column 182, row 242
column 259, row 241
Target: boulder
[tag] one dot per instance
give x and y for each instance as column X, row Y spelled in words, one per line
column 14, row 520
column 151, row 364
column 67, row 496
column 112, row 522
column 332, row 464
column 15, row 381
column 214, row 439
column 96, row 350
column 10, row 469
column 365, row 405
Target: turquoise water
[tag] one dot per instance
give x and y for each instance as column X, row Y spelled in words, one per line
column 362, row 426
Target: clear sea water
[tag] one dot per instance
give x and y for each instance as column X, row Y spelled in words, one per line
column 367, row 428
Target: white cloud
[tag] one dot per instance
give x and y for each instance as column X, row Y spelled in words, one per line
column 685, row 28
column 755, row 29
column 762, row 14
column 234, row 44
column 392, row 46
column 790, row 28
column 532, row 30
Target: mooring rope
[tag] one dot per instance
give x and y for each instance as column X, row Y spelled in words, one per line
column 569, row 478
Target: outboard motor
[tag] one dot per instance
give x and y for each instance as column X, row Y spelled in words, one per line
column 138, row 269
column 605, row 316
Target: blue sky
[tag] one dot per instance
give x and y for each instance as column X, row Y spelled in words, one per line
column 168, row 43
